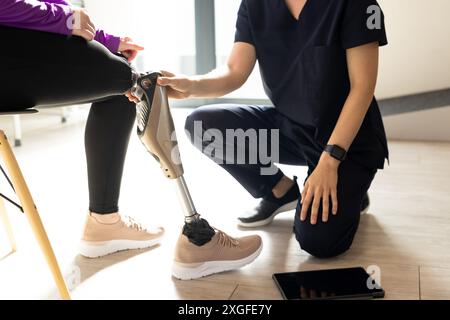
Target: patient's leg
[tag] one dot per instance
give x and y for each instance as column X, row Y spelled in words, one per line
column 54, row 70
column 44, row 69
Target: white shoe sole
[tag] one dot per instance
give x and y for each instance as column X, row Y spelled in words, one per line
column 183, row 271
column 287, row 207
column 365, row 210
column 93, row 249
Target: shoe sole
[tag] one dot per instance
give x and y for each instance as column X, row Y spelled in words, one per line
column 92, row 249
column 365, row 210
column 287, row 207
column 182, row 271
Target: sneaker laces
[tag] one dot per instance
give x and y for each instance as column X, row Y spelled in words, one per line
column 133, row 224
column 225, row 240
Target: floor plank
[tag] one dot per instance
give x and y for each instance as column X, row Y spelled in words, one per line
column 434, row 283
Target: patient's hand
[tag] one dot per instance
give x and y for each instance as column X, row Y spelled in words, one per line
column 131, row 97
column 82, row 24
column 129, row 49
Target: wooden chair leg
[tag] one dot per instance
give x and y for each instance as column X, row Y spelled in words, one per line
column 17, row 130
column 32, row 214
column 7, row 224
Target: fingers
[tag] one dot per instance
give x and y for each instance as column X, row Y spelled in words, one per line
column 133, row 55
column 130, row 54
column 91, row 28
column 167, row 73
column 168, row 79
column 86, row 34
column 131, row 97
column 135, row 46
column 325, row 206
column 315, row 207
column 312, row 198
column 131, row 46
column 164, row 81
column 91, row 33
column 174, row 94
column 306, row 201
column 334, row 200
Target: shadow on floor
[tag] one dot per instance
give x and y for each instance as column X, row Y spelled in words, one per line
column 83, row 268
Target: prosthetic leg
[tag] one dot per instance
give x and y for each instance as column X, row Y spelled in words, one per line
column 156, row 130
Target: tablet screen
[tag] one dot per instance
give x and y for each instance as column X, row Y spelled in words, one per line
column 328, row 284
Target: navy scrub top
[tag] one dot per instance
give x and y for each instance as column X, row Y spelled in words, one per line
column 303, row 64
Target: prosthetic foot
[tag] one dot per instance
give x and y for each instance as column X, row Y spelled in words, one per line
column 199, row 244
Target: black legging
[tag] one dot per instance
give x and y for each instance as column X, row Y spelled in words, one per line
column 45, row 69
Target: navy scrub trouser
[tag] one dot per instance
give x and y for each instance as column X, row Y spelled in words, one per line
column 296, row 147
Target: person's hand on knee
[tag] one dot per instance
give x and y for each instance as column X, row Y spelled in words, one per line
column 82, row 24
column 319, row 188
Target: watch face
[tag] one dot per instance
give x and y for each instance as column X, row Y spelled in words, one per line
column 336, row 152
column 339, row 152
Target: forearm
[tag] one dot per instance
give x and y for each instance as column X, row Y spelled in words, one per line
column 228, row 78
column 363, row 72
column 217, row 83
column 36, row 15
column 351, row 117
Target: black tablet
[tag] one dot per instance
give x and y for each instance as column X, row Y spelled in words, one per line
column 351, row 283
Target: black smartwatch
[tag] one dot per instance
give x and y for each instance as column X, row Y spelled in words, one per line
column 336, row 152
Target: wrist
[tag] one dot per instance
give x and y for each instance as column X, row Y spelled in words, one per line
column 194, row 86
column 327, row 160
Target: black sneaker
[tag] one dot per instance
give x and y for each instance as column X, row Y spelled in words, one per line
column 264, row 213
column 365, row 204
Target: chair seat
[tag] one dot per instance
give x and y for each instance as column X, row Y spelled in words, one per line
column 14, row 112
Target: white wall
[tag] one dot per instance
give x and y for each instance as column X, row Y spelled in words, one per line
column 426, row 125
column 164, row 27
column 417, row 58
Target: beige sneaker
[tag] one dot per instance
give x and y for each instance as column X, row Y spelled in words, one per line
column 222, row 253
column 106, row 234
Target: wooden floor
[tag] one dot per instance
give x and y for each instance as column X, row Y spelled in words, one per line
column 406, row 233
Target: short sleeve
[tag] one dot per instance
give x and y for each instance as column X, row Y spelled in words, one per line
column 243, row 28
column 363, row 23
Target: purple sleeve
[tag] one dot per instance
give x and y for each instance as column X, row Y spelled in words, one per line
column 109, row 41
column 50, row 16
column 63, row 2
